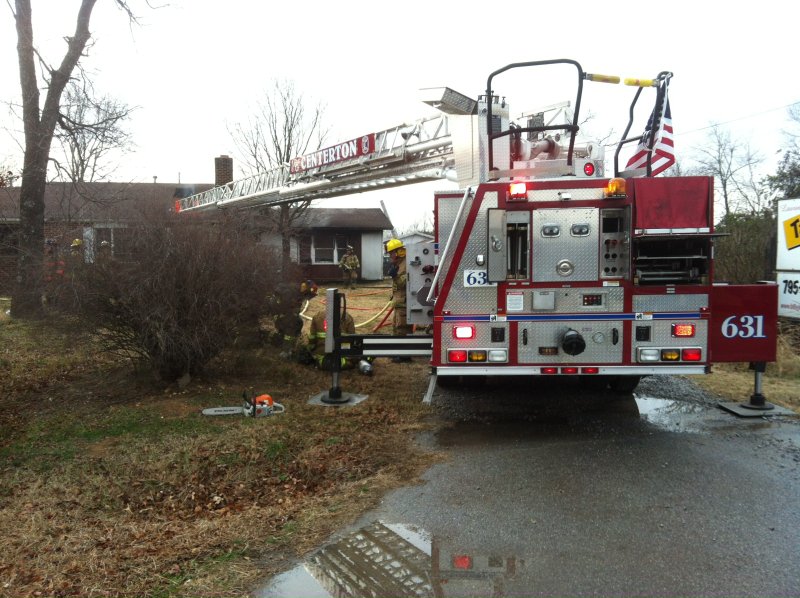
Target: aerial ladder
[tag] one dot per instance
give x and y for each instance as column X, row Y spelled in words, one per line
column 401, row 155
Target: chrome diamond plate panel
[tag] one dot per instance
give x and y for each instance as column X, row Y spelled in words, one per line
column 661, row 303
column 581, row 252
column 474, row 299
column 598, row 337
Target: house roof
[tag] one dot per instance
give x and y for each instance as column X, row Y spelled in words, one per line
column 350, row 218
column 100, row 202
column 126, row 202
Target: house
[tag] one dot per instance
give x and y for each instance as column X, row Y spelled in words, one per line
column 414, row 237
column 97, row 212
column 323, row 234
column 91, row 212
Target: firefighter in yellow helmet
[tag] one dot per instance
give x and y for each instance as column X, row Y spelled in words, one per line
column 350, row 265
column 318, row 332
column 397, row 254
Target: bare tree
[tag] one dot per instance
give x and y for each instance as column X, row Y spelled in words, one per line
column 89, row 129
column 792, row 134
column 282, row 128
column 39, row 123
column 7, row 176
column 733, row 164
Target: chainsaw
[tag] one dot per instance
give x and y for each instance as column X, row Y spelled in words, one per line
column 260, row 406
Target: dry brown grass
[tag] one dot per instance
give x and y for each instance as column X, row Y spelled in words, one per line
column 114, row 485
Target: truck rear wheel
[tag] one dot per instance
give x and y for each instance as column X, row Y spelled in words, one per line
column 624, row 384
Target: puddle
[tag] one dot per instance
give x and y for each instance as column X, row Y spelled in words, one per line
column 671, row 415
column 384, row 559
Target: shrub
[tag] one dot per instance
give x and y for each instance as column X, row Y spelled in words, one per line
column 188, row 290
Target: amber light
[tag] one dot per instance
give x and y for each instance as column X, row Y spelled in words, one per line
column 615, row 188
column 670, row 355
column 477, row 356
column 683, row 330
column 517, row 191
column 691, row 354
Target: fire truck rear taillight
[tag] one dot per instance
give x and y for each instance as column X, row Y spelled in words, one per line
column 591, row 370
column 686, row 330
column 649, row 355
column 457, row 356
column 517, row 192
column 463, row 332
column 588, row 169
column 670, row 355
column 549, row 370
column 569, row 370
column 498, row 355
column 691, row 355
column 615, row 188
column 478, row 356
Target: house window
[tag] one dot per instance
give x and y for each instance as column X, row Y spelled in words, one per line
column 328, row 248
column 324, row 248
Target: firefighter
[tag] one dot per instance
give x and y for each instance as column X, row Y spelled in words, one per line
column 397, row 270
column 349, row 265
column 76, row 252
column 285, row 305
column 317, row 334
column 104, row 253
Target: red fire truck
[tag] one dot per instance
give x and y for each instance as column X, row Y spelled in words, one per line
column 543, row 263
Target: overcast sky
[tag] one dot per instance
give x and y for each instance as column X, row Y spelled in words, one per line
column 194, row 68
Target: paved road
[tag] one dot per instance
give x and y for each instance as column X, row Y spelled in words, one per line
column 550, row 491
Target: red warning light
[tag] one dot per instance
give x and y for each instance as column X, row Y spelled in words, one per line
column 588, row 169
column 686, row 330
column 462, row 561
column 463, row 332
column 517, row 191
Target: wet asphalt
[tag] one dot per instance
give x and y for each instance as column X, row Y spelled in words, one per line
column 555, row 490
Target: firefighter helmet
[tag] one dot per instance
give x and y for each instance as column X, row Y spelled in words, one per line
column 308, row 288
column 393, row 244
column 76, row 243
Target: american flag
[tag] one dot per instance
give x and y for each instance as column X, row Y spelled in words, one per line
column 663, row 148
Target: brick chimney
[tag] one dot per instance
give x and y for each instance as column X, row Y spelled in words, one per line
column 223, row 170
